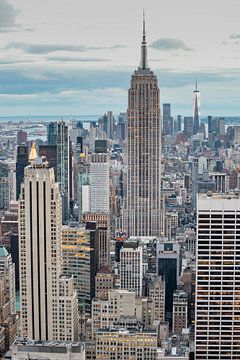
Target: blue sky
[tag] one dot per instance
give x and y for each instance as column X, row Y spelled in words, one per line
column 64, row 57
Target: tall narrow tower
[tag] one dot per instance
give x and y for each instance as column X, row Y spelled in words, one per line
column 46, row 298
column 196, row 110
column 142, row 215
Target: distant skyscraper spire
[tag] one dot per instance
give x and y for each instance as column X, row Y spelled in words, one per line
column 144, row 63
column 196, row 109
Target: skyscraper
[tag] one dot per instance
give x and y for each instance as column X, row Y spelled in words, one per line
column 99, row 182
column 131, row 267
column 21, row 163
column 196, row 110
column 48, row 302
column 142, row 215
column 58, row 135
column 217, row 308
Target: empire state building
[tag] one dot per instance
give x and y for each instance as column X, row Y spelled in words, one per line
column 142, row 213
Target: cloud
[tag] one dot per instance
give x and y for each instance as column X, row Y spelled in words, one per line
column 7, row 17
column 167, row 44
column 48, row 48
column 77, row 59
column 235, row 36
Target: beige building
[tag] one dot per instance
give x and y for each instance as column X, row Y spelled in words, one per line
column 131, row 267
column 156, row 294
column 116, row 343
column 120, row 304
column 143, row 203
column 40, row 236
column 104, row 281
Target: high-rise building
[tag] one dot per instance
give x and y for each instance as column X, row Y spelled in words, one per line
column 4, row 193
column 21, row 163
column 156, row 293
column 22, row 137
column 79, row 259
column 142, row 215
column 58, row 135
column 131, row 267
column 50, row 153
column 179, row 122
column 217, row 321
column 168, row 266
column 196, row 110
column 167, row 121
column 180, row 312
column 99, row 182
column 104, row 281
column 188, row 126
column 7, row 268
column 103, row 236
column 43, row 292
column 8, row 318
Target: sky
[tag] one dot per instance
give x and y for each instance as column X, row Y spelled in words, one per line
column 62, row 57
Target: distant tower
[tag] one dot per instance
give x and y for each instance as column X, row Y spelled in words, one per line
column 58, row 135
column 142, row 215
column 196, row 109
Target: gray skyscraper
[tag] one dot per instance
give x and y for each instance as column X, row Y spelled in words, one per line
column 142, row 216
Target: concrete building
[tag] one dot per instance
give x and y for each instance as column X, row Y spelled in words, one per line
column 121, row 304
column 116, row 343
column 26, row 349
column 156, row 294
column 99, row 183
column 142, row 208
column 8, row 318
column 217, row 321
column 7, row 269
column 131, row 267
column 40, row 237
column 9, row 225
column 220, row 182
column 104, row 281
column 180, row 312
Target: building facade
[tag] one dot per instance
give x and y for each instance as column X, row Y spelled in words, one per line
column 40, row 222
column 142, row 213
column 217, row 307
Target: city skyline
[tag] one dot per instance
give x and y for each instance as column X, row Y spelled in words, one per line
column 73, row 58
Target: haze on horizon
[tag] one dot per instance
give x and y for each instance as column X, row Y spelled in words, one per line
column 76, row 57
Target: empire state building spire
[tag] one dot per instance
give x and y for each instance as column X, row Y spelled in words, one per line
column 144, row 63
